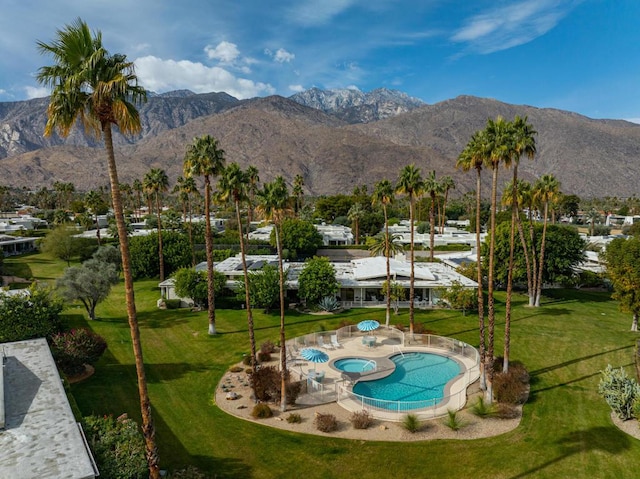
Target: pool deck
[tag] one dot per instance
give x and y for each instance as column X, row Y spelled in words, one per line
column 331, row 387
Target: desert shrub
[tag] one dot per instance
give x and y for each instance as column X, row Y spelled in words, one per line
column 294, row 418
column 329, row 304
column 293, row 391
column 73, row 349
column 268, row 347
column 411, row 423
column 361, row 420
column 267, row 383
column 264, row 356
column 236, row 369
column 326, row 422
column 246, row 360
column 453, row 421
column 619, row 391
column 261, row 411
column 507, row 411
column 117, row 446
column 189, row 472
column 172, row 303
column 511, row 387
column 482, row 409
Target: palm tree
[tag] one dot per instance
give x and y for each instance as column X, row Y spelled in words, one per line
column 253, row 179
column 355, row 214
column 156, row 182
column 273, row 202
column 298, row 184
column 186, row 186
column 474, row 156
column 447, row 184
column 410, row 183
column 433, row 187
column 233, row 187
column 94, row 201
column 204, row 158
column 383, row 194
column 101, row 90
column 138, row 188
column 522, row 143
column 545, row 189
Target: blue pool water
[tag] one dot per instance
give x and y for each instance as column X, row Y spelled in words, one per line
column 354, row 365
column 419, row 378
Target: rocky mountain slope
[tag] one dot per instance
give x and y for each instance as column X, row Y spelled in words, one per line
column 283, row 137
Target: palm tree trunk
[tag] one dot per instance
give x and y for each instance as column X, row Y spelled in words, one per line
column 148, row 429
column 160, row 253
column 193, row 251
column 634, row 323
column 525, row 249
column 534, row 264
column 541, row 265
column 247, row 300
column 432, row 231
column 387, row 252
column 98, row 231
column 208, row 244
column 412, row 275
column 491, row 302
column 283, row 338
column 481, row 345
column 512, row 247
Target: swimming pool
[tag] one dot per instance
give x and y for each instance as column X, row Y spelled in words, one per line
column 355, row 365
column 418, row 381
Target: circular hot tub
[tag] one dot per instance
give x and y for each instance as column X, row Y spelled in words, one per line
column 355, row 365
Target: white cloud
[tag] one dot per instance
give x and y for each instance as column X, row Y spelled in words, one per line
column 160, row 75
column 313, row 13
column 282, row 56
column 512, row 25
column 296, row 88
column 36, row 92
column 225, row 51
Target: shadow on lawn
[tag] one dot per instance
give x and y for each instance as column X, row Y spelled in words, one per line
column 608, row 440
column 577, row 360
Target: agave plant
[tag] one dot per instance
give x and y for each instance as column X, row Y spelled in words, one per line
column 329, row 303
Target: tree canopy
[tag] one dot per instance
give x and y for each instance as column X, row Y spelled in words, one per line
column 193, row 284
column 317, row 280
column 299, row 237
column 623, row 268
column 29, row 316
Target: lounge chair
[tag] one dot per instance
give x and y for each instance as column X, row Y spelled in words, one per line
column 322, row 344
column 334, row 341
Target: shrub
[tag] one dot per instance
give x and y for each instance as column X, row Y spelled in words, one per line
column 246, row 360
column 482, row 409
column 361, row 420
column 411, row 423
column 619, row 391
column 267, row 383
column 172, row 303
column 73, row 349
column 236, row 369
column 28, row 316
column 268, row 347
column 511, row 387
column 452, row 421
column 329, row 304
column 507, row 411
column 294, row 418
column 261, row 411
column 326, row 422
column 117, row 445
column 264, row 356
column 293, row 391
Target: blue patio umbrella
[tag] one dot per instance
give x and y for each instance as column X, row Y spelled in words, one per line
column 368, row 325
column 314, row 355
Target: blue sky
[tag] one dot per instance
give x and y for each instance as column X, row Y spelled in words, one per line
column 576, row 55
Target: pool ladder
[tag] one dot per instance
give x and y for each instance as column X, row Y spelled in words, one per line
column 399, row 349
column 371, row 361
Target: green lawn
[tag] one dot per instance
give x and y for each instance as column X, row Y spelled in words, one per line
column 566, row 431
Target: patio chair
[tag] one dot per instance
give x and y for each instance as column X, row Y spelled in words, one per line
column 334, row 341
column 322, row 344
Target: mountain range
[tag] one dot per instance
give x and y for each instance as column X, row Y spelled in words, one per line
column 335, row 139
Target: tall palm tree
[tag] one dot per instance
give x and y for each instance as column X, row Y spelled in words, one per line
column 433, row 187
column 410, row 183
column 155, row 182
column 498, row 133
column 473, row 157
column 186, row 187
column 253, row 180
column 138, row 188
column 232, row 187
column 205, row 158
column 383, row 194
column 522, row 143
column 100, row 90
column 94, row 201
column 545, row 189
column 273, row 202
column 447, row 184
column 355, row 214
column 298, row 192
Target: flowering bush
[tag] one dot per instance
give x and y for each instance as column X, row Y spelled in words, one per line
column 72, row 350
